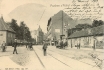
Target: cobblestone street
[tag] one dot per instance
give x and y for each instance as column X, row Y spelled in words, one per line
column 60, row 59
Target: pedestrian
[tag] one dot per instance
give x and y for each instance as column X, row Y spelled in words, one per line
column 65, row 44
column 15, row 46
column 45, row 48
column 61, row 44
column 31, row 47
column 57, row 45
column 26, row 45
column 3, row 46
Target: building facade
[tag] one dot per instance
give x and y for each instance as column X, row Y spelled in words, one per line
column 90, row 38
column 7, row 34
column 57, row 26
column 38, row 35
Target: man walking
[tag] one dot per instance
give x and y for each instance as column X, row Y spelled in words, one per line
column 44, row 48
column 15, row 46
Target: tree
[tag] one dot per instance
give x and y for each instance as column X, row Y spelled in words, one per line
column 15, row 27
column 22, row 27
column 22, row 31
column 72, row 30
column 83, row 26
column 78, row 28
column 97, row 23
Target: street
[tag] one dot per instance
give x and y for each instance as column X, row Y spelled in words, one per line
column 56, row 59
column 51, row 35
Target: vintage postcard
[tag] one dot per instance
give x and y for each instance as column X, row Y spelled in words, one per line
column 51, row 35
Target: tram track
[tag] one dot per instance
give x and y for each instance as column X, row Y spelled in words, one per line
column 56, row 59
column 71, row 58
column 39, row 58
column 65, row 56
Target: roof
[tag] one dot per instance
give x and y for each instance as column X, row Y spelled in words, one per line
column 49, row 22
column 4, row 26
column 39, row 29
column 61, row 15
column 88, row 32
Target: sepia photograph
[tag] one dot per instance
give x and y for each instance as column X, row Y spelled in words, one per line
column 51, row 34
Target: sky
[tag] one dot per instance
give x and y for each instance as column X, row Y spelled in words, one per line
column 33, row 12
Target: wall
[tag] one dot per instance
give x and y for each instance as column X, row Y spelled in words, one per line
column 2, row 36
column 56, row 29
column 88, row 42
column 10, row 38
column 58, row 22
column 100, row 42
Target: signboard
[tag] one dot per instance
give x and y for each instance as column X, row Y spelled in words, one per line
column 57, row 30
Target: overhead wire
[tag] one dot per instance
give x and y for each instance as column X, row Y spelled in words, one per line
column 41, row 16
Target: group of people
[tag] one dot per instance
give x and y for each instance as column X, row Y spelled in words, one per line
column 29, row 46
column 3, row 47
column 60, row 44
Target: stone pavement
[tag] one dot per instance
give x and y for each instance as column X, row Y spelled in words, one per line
column 57, row 59
column 5, row 61
column 24, row 60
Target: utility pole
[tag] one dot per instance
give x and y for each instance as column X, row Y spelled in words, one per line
column 62, row 22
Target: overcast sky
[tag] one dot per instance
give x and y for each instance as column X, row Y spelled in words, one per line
column 31, row 11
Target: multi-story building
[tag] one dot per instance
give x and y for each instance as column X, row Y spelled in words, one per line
column 7, row 34
column 34, row 34
column 38, row 35
column 57, row 26
column 45, row 37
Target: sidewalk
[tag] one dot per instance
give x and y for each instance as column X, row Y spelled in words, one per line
column 89, row 49
column 81, row 48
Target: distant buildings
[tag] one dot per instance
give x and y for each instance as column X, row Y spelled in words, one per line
column 34, row 34
column 7, row 34
column 38, row 35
